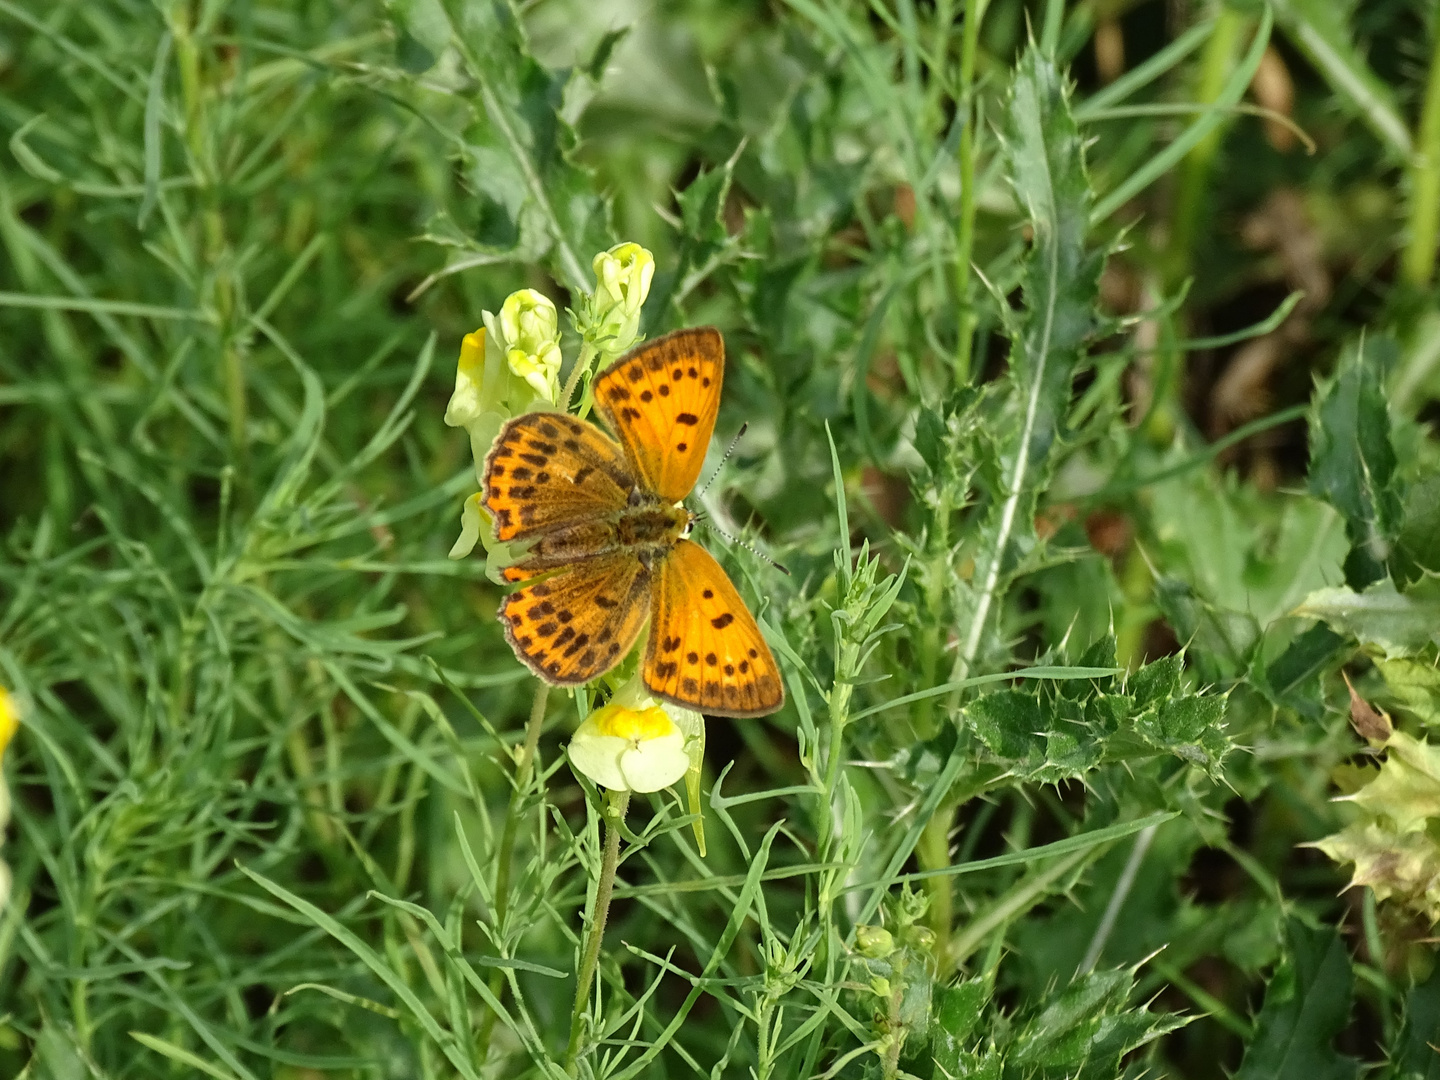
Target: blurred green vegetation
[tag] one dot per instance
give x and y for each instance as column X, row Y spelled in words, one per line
column 1098, row 337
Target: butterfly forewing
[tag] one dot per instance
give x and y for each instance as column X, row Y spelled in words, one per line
column 705, row 650
column 577, row 624
column 548, row 471
column 661, row 400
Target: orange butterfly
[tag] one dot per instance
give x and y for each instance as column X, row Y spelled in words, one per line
column 611, row 537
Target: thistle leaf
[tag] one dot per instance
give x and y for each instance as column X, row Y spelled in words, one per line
column 1306, row 1005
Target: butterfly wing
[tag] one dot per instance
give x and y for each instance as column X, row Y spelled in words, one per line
column 705, row 651
column 661, row 400
column 579, row 623
column 547, row 471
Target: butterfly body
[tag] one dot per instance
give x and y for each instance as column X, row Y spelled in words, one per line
column 609, row 540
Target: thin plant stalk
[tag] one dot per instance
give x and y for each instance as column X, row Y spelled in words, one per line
column 524, row 774
column 835, row 751
column 582, row 364
column 1217, row 61
column 1418, row 264
column 616, row 804
column 933, row 853
column 965, row 236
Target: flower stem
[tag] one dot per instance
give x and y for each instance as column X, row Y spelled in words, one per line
column 524, row 773
column 965, row 238
column 616, row 803
column 1417, row 265
column 582, row 364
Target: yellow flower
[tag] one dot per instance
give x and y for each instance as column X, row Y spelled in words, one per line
column 630, row 749
column 9, row 724
column 489, row 389
column 467, row 402
column 9, row 719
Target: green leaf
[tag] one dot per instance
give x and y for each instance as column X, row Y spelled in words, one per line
column 702, row 236
column 1060, row 284
column 1415, row 1056
column 1010, row 723
column 519, row 157
column 1306, row 1005
column 1061, row 280
column 1293, row 679
column 1189, row 727
column 1157, row 682
column 1381, row 618
column 1416, row 686
column 1352, row 461
column 1048, row 734
column 1085, row 1030
column 1420, row 535
column 956, row 1014
column 425, row 30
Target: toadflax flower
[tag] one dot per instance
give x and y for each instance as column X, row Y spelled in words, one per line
column 508, row 367
column 9, row 724
column 635, row 743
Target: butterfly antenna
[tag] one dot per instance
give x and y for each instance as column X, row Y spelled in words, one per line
column 741, row 543
column 716, row 472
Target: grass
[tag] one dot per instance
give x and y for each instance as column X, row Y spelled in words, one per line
column 1095, row 420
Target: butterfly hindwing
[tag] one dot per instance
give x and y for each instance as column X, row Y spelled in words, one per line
column 705, row 650
column 547, row 471
column 579, row 623
column 661, row 399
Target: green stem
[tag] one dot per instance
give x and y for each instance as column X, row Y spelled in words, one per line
column 1418, row 264
column 846, row 663
column 1216, row 63
column 587, row 354
column 965, row 238
column 933, row 853
column 616, row 803
column 524, row 774
column 1137, row 583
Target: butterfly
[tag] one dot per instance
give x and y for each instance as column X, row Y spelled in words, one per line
column 610, row 545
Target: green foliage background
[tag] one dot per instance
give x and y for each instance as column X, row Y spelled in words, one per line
column 1111, row 381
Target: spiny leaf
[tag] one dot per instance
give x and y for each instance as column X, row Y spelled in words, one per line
column 1381, row 618
column 1060, row 284
column 1306, row 1006
column 1352, row 462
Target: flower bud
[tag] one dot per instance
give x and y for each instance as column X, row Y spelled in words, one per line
column 874, row 942
column 622, row 277
column 610, row 318
column 474, row 521
column 531, row 329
